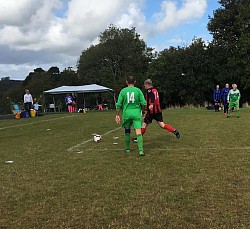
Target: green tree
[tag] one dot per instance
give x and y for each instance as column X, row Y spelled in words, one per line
column 36, row 73
column 230, row 27
column 69, row 77
column 166, row 73
column 183, row 75
column 38, row 81
column 120, row 52
column 11, row 91
column 54, row 74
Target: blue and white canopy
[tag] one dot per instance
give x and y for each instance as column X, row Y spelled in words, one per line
column 92, row 88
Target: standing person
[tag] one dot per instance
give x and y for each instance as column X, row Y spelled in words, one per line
column 224, row 94
column 99, row 102
column 28, row 101
column 217, row 98
column 233, row 99
column 132, row 104
column 74, row 104
column 69, row 101
column 154, row 111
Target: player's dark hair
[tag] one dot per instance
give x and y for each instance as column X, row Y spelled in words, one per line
column 131, row 80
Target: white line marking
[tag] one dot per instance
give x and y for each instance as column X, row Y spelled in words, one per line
column 31, row 123
column 172, row 149
column 71, row 149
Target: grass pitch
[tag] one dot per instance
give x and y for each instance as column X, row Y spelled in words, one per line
column 62, row 179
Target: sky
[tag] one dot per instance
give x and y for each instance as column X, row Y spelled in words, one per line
column 46, row 33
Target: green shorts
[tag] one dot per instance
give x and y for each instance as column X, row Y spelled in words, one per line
column 137, row 123
column 233, row 104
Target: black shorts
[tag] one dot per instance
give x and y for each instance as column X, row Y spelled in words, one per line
column 150, row 117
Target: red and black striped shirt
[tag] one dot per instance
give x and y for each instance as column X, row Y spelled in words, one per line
column 152, row 98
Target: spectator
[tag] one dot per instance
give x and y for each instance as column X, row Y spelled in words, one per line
column 74, row 100
column 59, row 106
column 69, row 101
column 224, row 94
column 99, row 102
column 217, row 98
column 27, row 100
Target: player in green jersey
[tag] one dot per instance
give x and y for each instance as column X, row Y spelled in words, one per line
column 233, row 98
column 132, row 103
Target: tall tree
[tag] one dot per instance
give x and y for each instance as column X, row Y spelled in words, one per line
column 230, row 27
column 182, row 74
column 54, row 74
column 69, row 77
column 11, row 91
column 38, row 81
column 120, row 52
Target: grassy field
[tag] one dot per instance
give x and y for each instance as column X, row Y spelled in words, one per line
column 62, row 179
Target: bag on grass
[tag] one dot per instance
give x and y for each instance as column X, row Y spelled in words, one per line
column 25, row 114
column 18, row 115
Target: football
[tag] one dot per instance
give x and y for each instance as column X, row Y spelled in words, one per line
column 97, row 138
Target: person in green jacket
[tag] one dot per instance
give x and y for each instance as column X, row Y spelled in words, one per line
column 233, row 98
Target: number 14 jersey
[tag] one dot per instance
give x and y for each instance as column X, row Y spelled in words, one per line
column 130, row 101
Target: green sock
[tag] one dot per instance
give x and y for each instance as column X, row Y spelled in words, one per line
column 140, row 142
column 127, row 141
column 238, row 113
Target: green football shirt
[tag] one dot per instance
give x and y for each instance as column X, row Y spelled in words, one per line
column 130, row 101
column 233, row 96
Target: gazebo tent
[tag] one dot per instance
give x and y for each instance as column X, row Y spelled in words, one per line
column 92, row 88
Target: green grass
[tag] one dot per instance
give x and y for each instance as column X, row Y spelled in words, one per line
column 199, row 181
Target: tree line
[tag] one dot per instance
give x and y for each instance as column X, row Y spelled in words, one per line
column 38, row 81
column 183, row 75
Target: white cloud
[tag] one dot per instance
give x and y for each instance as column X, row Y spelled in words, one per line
column 179, row 41
column 22, row 32
column 15, row 69
column 36, row 29
column 17, row 13
column 42, row 29
column 134, row 17
column 19, row 72
column 171, row 15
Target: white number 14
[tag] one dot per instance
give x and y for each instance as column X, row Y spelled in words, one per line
column 131, row 97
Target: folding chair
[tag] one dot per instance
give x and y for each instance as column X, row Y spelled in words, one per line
column 52, row 107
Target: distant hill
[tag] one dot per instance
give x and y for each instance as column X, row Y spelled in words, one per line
column 6, row 83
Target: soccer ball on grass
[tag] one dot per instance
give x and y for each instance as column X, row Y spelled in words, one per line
column 97, row 138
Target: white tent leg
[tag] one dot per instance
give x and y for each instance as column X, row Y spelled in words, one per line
column 114, row 99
